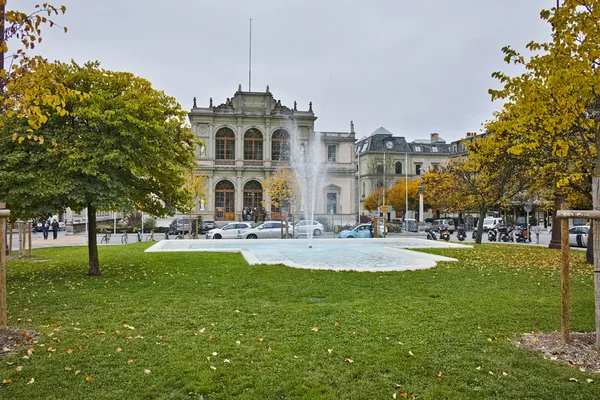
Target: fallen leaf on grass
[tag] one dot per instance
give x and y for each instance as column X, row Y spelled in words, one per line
column 119, row 349
column 411, row 353
column 226, row 361
column 573, row 380
column 439, row 373
column 30, row 351
column 31, row 381
column 89, row 379
column 330, row 351
column 589, row 380
column 69, row 351
column 147, row 371
column 201, row 330
column 77, row 372
column 315, row 329
column 213, row 367
column 403, row 394
column 50, row 349
column 6, row 381
column 337, row 323
column 349, row 360
column 261, row 340
column 20, row 367
column 129, row 362
column 68, row 368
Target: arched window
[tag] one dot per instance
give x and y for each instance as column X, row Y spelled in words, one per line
column 225, row 201
column 253, row 195
column 398, row 168
column 280, row 145
column 225, row 144
column 253, row 145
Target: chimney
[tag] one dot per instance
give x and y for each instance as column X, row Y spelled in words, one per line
column 434, row 137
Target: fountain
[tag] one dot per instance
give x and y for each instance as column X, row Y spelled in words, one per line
column 306, row 160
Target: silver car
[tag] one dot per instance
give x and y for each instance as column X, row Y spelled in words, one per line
column 304, row 227
column 266, row 230
column 578, row 235
column 233, row 230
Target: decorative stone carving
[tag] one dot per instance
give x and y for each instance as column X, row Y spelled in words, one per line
column 295, row 106
column 195, row 106
column 211, row 103
column 351, row 126
column 310, row 107
column 240, row 88
column 268, row 89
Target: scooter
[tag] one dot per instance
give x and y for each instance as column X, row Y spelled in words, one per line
column 522, row 235
column 431, row 235
column 492, row 234
column 461, row 235
column 444, row 234
column 506, row 233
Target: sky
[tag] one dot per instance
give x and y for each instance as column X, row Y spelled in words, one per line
column 413, row 67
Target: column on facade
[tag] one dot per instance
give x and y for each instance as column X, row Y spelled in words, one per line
column 267, row 143
column 239, row 143
column 209, row 204
column 211, row 142
column 239, row 190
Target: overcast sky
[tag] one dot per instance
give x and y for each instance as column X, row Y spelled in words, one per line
column 412, row 67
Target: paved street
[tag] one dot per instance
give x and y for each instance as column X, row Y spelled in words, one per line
column 80, row 239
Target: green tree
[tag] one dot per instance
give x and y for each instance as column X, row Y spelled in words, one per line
column 125, row 147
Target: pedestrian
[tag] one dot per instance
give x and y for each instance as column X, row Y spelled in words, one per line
column 45, row 227
column 55, row 229
column 244, row 214
column 255, row 215
column 264, row 214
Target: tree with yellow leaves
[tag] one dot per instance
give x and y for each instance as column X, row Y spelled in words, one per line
column 283, row 189
column 552, row 110
column 28, row 88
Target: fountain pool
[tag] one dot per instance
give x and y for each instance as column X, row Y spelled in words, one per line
column 391, row 254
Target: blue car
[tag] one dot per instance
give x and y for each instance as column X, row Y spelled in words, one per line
column 359, row 231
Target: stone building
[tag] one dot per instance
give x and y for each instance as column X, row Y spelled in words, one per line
column 248, row 137
column 384, row 159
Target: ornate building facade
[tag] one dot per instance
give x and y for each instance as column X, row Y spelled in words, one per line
column 248, row 137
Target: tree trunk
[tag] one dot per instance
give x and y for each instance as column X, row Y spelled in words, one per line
column 596, row 245
column 564, row 281
column 94, row 264
column 589, row 254
column 555, row 240
column 480, row 225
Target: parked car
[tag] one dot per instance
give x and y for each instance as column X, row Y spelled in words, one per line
column 266, row 230
column 307, row 226
column 578, row 236
column 443, row 224
column 181, row 225
column 233, row 230
column 359, row 231
column 207, row 226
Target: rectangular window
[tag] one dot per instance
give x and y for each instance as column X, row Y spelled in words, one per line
column 331, row 203
column 331, row 153
column 434, row 149
column 417, row 148
column 418, row 169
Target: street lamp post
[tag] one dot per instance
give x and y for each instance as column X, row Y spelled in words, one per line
column 421, row 219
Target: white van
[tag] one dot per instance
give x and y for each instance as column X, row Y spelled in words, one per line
column 491, row 222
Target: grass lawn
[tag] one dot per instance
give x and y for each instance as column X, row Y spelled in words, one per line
column 207, row 325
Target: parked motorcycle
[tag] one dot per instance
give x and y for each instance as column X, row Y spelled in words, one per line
column 492, row 235
column 461, row 234
column 474, row 235
column 431, row 235
column 506, row 233
column 522, row 235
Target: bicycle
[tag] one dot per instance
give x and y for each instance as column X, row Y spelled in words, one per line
column 151, row 237
column 105, row 238
column 124, row 237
